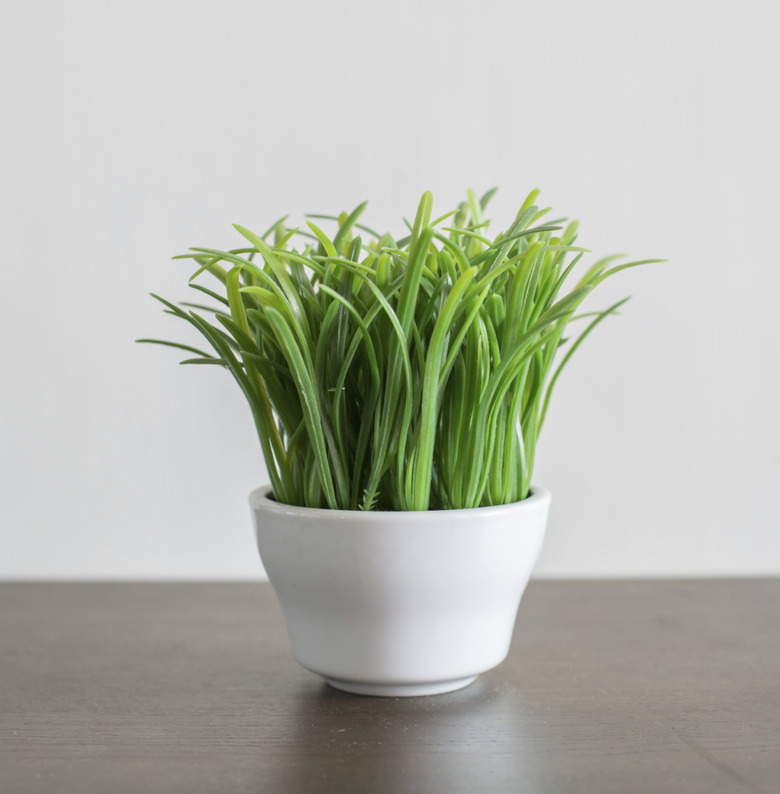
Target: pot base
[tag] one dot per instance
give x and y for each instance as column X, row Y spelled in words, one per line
column 401, row 690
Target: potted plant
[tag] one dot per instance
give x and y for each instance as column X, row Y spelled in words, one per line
column 398, row 388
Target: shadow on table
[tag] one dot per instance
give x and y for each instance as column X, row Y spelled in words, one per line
column 469, row 740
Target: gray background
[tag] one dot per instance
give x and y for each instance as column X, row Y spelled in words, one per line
column 130, row 131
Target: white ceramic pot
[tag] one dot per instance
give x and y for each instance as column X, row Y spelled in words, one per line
column 400, row 603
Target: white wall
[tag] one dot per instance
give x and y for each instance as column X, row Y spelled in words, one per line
column 129, row 131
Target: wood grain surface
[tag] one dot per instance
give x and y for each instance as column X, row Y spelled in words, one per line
column 610, row 687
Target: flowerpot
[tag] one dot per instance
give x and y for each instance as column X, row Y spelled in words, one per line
column 400, row 603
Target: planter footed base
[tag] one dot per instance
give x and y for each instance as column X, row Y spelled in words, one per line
column 401, row 690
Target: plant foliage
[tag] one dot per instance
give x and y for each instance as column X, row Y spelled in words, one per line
column 387, row 374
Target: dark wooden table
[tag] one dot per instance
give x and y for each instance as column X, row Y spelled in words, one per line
column 610, row 687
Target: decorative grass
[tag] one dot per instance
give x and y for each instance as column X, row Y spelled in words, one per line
column 410, row 374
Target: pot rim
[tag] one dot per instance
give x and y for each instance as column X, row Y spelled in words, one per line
column 260, row 500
